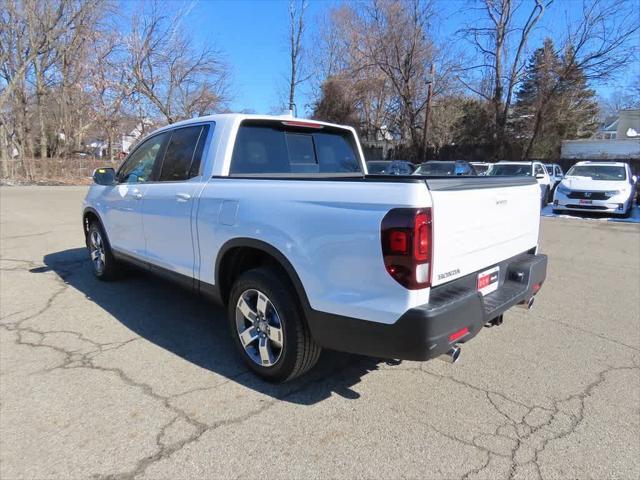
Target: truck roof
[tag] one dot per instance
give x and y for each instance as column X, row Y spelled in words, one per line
column 231, row 118
column 523, row 162
column 602, row 163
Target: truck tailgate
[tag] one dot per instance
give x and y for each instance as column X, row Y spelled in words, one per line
column 479, row 221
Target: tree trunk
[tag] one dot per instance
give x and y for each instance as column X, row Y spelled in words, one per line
column 534, row 135
column 427, row 113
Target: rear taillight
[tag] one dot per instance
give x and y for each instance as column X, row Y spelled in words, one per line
column 407, row 246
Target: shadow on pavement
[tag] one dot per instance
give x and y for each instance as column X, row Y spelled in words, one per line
column 195, row 329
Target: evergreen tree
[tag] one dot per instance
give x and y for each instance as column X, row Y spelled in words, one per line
column 554, row 103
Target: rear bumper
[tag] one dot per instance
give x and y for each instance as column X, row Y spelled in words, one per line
column 423, row 332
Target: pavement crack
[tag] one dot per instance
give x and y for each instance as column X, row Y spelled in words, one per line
column 531, row 432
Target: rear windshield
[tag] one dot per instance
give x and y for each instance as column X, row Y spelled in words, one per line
column 268, row 147
column 598, row 172
column 436, row 168
column 378, row 167
column 509, row 170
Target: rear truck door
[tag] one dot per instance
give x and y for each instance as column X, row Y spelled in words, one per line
column 480, row 221
column 168, row 205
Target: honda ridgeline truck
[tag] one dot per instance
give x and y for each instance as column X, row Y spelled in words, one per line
column 277, row 219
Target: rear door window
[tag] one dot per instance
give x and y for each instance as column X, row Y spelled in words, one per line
column 265, row 147
column 182, row 158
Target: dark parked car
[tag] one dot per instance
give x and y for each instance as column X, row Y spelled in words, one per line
column 390, row 167
column 445, row 168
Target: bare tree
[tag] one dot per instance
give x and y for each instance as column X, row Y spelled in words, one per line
column 395, row 41
column 501, row 46
column 297, row 9
column 108, row 81
column 34, row 39
column 176, row 79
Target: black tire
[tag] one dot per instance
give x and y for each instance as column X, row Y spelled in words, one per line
column 545, row 198
column 298, row 352
column 627, row 213
column 110, row 268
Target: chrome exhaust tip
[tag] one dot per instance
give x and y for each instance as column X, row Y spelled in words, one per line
column 451, row 356
column 527, row 304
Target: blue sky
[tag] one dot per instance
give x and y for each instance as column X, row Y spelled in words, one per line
column 252, row 34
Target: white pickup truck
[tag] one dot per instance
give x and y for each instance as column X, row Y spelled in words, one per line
column 277, row 219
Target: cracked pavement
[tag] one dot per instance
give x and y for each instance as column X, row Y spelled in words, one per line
column 138, row 378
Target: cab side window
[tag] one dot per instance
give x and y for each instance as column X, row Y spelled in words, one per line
column 184, row 152
column 139, row 166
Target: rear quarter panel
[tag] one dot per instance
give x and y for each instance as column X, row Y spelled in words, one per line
column 328, row 230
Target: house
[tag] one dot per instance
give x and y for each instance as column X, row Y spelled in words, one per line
column 130, row 139
column 619, row 139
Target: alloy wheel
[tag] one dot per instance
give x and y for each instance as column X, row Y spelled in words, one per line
column 96, row 249
column 259, row 328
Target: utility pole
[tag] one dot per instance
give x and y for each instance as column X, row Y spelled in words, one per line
column 429, row 81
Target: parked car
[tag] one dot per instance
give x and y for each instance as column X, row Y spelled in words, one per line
column 555, row 174
column 596, row 187
column 445, row 168
column 481, row 167
column 390, row 167
column 525, row 169
column 275, row 218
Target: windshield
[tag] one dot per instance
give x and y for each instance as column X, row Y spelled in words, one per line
column 378, row 167
column 436, row 168
column 598, row 172
column 505, row 169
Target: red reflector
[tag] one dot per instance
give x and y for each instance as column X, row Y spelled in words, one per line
column 460, row 333
column 398, row 241
column 422, row 234
column 303, row 124
column 536, row 288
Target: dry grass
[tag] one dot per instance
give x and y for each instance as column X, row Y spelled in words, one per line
column 51, row 171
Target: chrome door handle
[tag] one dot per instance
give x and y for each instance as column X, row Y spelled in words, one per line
column 183, row 197
column 137, row 195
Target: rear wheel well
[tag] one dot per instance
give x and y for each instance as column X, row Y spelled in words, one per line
column 238, row 260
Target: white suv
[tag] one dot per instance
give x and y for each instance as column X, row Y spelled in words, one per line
column 528, row 169
column 606, row 187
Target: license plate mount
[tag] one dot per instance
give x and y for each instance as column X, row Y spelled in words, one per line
column 585, row 202
column 488, row 280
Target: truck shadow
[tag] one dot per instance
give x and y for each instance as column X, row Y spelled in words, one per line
column 195, row 329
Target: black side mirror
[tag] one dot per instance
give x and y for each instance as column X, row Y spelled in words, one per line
column 104, row 176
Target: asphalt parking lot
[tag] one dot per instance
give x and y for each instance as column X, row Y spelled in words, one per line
column 138, row 379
